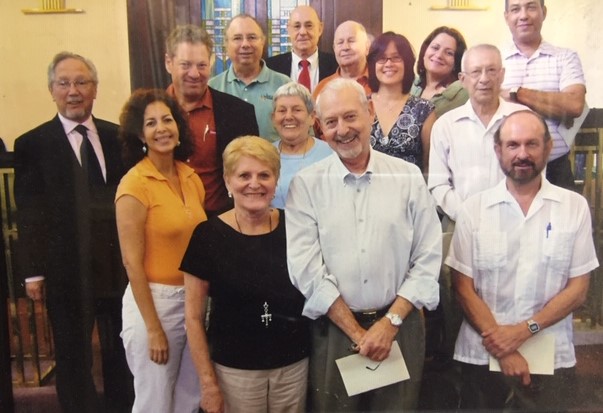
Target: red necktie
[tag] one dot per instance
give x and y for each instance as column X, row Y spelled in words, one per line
column 304, row 75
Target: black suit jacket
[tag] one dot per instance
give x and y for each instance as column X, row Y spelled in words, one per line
column 327, row 65
column 67, row 230
column 233, row 117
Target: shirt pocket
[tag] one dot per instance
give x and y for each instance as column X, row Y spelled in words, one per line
column 490, row 250
column 557, row 251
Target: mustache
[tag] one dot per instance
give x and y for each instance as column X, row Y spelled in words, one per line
column 523, row 163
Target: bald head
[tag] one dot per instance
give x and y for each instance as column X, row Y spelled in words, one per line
column 304, row 28
column 351, row 45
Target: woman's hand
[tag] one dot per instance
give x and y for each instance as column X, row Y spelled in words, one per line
column 212, row 400
column 158, row 346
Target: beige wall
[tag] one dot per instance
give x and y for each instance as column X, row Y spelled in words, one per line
column 30, row 41
column 573, row 24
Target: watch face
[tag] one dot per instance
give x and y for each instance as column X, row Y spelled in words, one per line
column 395, row 319
column 533, row 326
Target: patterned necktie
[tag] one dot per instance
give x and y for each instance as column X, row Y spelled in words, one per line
column 90, row 163
column 304, row 75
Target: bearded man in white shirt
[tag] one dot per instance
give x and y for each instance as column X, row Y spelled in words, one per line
column 521, row 257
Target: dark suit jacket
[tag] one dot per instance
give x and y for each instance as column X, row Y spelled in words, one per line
column 234, row 117
column 66, row 229
column 327, row 65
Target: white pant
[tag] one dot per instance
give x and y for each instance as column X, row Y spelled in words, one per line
column 161, row 388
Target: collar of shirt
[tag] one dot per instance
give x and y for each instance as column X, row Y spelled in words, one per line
column 206, row 100
column 148, row 169
column 296, row 67
column 348, row 177
column 511, row 50
column 262, row 77
column 69, row 125
column 500, row 194
column 466, row 111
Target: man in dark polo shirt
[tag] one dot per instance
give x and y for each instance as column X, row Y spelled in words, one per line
column 215, row 118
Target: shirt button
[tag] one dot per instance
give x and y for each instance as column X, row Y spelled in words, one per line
column 363, row 250
column 358, row 190
column 365, row 281
column 361, row 220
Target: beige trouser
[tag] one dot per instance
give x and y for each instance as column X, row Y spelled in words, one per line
column 280, row 390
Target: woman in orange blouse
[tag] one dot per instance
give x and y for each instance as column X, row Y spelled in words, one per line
column 158, row 204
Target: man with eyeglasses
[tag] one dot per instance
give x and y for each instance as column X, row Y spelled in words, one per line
column 461, row 156
column 215, row 118
column 66, row 174
column 462, row 161
column 304, row 63
column 248, row 77
column 546, row 78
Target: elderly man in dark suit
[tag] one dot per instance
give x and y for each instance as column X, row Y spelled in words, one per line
column 215, row 118
column 66, row 174
column 305, row 63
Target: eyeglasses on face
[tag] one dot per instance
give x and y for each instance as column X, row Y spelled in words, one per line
column 394, row 59
column 79, row 84
column 490, row 72
column 238, row 38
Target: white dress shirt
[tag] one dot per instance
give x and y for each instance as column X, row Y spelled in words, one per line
column 313, row 68
column 519, row 263
column 365, row 238
column 75, row 140
column 462, row 161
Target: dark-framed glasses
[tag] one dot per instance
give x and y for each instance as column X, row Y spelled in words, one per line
column 394, row 59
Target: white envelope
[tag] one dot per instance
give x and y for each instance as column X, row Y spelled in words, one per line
column 360, row 374
column 539, row 352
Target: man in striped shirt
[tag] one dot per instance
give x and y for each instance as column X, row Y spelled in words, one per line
column 547, row 79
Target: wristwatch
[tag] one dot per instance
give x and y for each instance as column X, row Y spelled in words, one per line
column 513, row 93
column 533, row 326
column 394, row 319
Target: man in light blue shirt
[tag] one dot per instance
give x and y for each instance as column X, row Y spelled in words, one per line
column 364, row 246
column 248, row 77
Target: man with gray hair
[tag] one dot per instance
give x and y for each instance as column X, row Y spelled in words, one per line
column 214, row 118
column 365, row 249
column 461, row 156
column 462, row 162
column 351, row 46
column 66, row 175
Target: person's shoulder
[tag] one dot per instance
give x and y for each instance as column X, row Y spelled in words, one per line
column 217, row 80
column 384, row 163
column 275, row 60
column 277, row 77
column 230, row 100
column 318, row 168
column 36, row 132
column 105, row 124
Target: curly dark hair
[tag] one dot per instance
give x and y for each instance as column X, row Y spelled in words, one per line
column 461, row 46
column 131, row 122
column 377, row 51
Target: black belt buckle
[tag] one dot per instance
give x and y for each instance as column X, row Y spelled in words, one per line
column 369, row 317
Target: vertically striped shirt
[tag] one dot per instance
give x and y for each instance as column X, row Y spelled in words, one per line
column 549, row 69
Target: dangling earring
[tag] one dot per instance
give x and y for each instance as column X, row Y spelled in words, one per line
column 229, row 194
column 178, row 144
column 144, row 148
